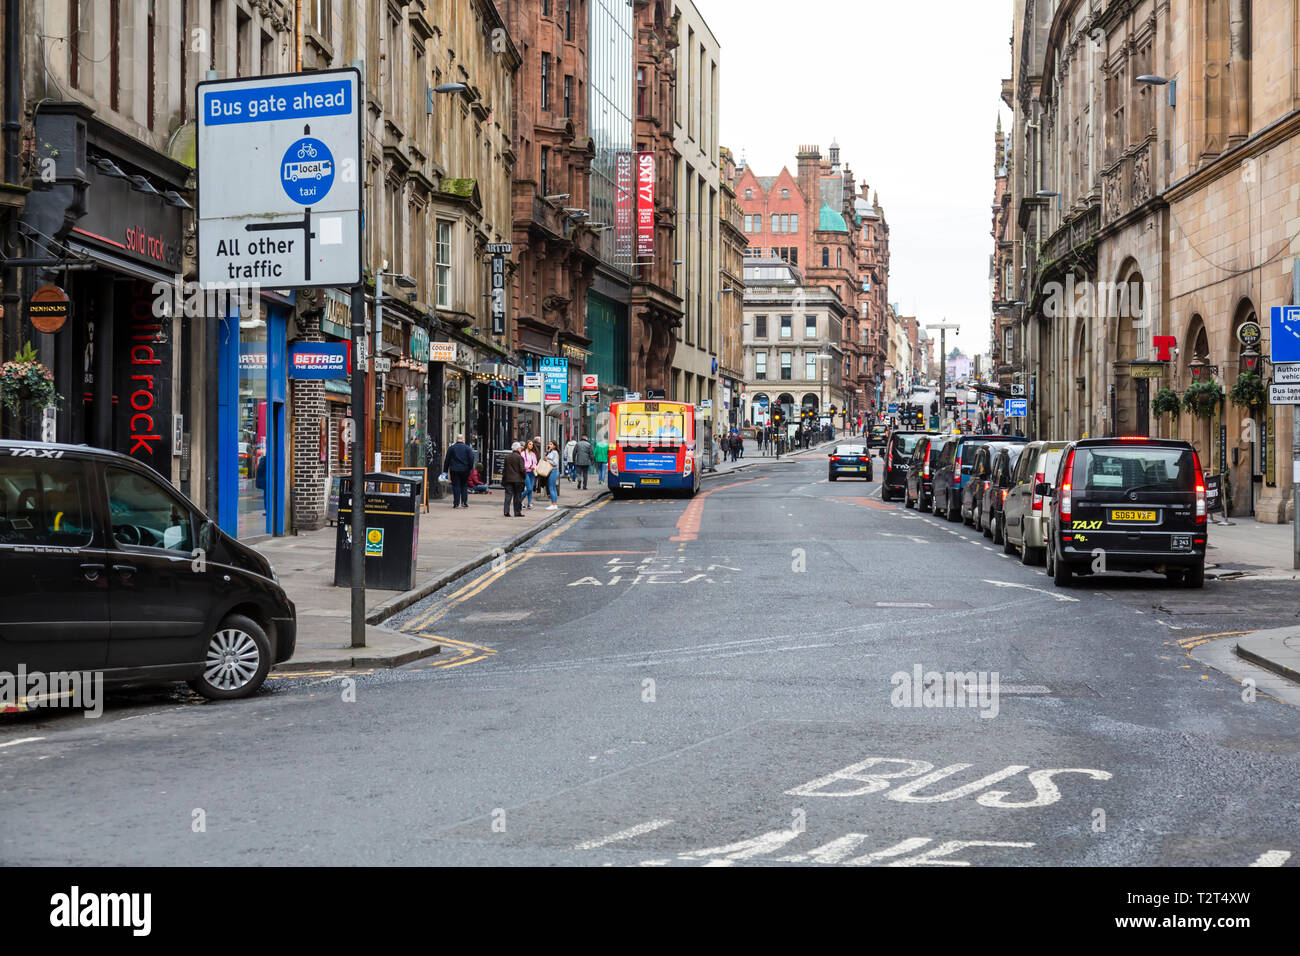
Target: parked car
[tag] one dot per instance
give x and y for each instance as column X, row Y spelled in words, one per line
column 852, row 460
column 919, row 490
column 1023, row 517
column 1127, row 504
column 897, row 457
column 877, row 436
column 989, row 516
column 972, row 492
column 104, row 566
column 952, row 468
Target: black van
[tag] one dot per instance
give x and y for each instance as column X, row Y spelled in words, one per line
column 104, row 566
column 1127, row 504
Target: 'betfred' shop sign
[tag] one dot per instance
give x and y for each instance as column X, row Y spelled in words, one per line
column 318, row 360
column 645, row 206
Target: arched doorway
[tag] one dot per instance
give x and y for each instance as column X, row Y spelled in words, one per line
column 1196, row 349
column 1078, row 384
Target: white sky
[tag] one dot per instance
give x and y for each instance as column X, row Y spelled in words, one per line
column 911, row 91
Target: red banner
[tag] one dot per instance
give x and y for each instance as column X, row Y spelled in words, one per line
column 624, row 203
column 645, row 207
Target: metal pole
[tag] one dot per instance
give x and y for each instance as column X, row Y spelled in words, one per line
column 1295, row 441
column 943, row 375
column 377, row 337
column 358, row 466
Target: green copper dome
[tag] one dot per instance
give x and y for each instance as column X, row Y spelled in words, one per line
column 830, row 220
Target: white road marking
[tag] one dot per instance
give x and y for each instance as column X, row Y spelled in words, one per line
column 627, row 834
column 1273, row 858
column 20, row 740
column 903, row 604
column 952, row 846
column 1026, row 587
column 743, row 850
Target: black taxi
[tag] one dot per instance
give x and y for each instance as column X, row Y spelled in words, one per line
column 1127, row 504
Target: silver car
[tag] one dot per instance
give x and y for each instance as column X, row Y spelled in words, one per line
column 1023, row 512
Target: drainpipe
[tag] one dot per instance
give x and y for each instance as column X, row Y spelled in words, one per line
column 12, row 129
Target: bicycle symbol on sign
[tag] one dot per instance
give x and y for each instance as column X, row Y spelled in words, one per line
column 306, row 150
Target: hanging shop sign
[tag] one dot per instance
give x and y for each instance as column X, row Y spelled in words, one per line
column 555, row 378
column 645, row 207
column 624, row 205
column 498, row 294
column 319, row 360
column 48, row 308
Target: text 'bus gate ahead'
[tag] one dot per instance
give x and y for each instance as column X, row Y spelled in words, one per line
column 279, row 179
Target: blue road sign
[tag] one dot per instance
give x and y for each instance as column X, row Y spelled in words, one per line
column 892, row 408
column 1015, row 407
column 1285, row 344
column 307, row 171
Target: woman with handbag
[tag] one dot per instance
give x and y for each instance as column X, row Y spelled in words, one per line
column 530, row 471
column 549, row 469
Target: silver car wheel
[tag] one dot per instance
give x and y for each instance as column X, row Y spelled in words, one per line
column 233, row 659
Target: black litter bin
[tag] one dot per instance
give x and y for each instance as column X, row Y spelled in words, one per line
column 392, row 532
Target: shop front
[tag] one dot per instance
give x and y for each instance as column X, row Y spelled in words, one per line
column 252, row 384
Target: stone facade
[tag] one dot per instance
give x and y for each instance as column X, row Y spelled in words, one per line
column 731, row 292
column 1174, row 202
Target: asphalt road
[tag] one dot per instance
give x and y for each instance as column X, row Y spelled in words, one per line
column 741, row 678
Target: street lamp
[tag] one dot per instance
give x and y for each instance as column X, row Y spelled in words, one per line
column 943, row 328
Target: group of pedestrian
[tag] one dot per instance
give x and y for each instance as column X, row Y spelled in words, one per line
column 734, row 445
column 528, row 469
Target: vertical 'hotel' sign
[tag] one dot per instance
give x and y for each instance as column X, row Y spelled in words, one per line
column 645, row 207
column 624, row 204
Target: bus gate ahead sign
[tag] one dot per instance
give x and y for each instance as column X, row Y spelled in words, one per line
column 279, row 180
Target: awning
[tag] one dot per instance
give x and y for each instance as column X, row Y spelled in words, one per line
column 552, row 408
column 136, row 269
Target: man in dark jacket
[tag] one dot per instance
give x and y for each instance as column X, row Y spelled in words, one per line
column 584, row 456
column 512, row 479
column 458, row 464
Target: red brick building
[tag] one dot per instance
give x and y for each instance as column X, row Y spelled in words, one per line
column 817, row 219
column 554, row 254
column 655, row 307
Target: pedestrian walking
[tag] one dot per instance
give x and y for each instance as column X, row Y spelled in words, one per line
column 530, row 471
column 512, row 479
column 549, row 469
column 458, row 463
column 602, row 458
column 584, row 457
column 568, row 458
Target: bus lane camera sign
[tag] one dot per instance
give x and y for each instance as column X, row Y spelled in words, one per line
column 279, row 185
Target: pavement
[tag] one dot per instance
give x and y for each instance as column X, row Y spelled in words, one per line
column 452, row 544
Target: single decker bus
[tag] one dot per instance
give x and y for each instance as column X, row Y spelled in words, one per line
column 652, row 446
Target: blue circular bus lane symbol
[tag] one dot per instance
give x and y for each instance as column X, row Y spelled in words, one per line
column 307, row 171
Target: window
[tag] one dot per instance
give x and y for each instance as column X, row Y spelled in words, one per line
column 776, row 223
column 44, row 502
column 546, row 162
column 546, row 81
column 810, row 326
column 145, row 515
column 785, row 194
column 760, row 326
column 866, row 284
column 243, row 43
column 1008, row 343
column 794, row 222
column 760, row 365
column 316, row 14
column 865, row 333
column 749, row 194
column 267, row 56
column 643, row 94
column 787, row 331
column 568, row 19
column 810, row 366
column 546, row 8
column 443, row 262
column 786, row 359
column 839, row 258
column 748, row 222
column 568, row 95
column 826, row 257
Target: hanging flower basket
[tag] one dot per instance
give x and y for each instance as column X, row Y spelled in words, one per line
column 1202, row 398
column 26, row 384
column 1167, row 402
column 1249, row 391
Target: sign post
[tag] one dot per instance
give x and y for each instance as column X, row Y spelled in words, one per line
column 279, row 204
